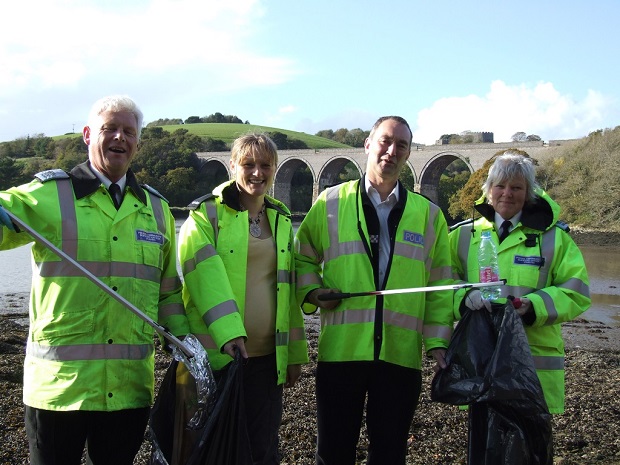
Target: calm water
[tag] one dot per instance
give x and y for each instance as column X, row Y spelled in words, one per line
column 603, row 268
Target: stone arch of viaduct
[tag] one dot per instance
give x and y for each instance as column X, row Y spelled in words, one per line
column 427, row 163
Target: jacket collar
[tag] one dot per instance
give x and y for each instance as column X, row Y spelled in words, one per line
column 230, row 197
column 85, row 182
column 541, row 214
column 402, row 194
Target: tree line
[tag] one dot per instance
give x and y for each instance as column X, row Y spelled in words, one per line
column 216, row 117
column 583, row 178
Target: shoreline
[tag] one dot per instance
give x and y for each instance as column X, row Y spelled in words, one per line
column 591, row 237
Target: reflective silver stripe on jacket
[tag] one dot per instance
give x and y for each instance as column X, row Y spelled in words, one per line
column 68, row 217
column 170, row 310
column 441, row 273
column 204, row 253
column 281, row 339
column 443, row 332
column 90, row 352
column 548, row 363
column 100, row 270
column 548, row 251
column 516, row 290
column 463, row 251
column 212, row 216
column 552, row 313
column 284, row 277
column 412, row 252
column 225, row 308
column 402, row 320
column 158, row 212
column 170, row 284
column 390, row 317
column 336, row 247
column 344, row 317
column 576, row 285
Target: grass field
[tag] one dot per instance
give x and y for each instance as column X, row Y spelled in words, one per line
column 228, row 132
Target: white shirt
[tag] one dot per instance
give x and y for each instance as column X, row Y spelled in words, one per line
column 513, row 221
column 383, row 209
column 122, row 182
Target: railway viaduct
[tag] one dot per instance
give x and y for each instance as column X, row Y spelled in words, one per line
column 427, row 163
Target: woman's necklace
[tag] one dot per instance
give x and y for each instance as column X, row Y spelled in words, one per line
column 255, row 229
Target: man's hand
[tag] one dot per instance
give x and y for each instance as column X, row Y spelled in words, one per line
column 293, row 372
column 440, row 358
column 239, row 342
column 474, row 301
column 313, row 298
column 5, row 220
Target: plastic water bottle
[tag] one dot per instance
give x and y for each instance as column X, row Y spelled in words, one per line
column 489, row 268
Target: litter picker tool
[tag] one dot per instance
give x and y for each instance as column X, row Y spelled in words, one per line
column 189, row 351
column 448, row 287
column 160, row 329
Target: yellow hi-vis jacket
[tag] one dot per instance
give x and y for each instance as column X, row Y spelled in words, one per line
column 213, row 252
column 86, row 351
column 540, row 261
column 333, row 252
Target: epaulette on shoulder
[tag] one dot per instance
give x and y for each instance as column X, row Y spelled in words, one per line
column 461, row 223
column 49, row 175
column 196, row 203
column 563, row 226
column 154, row 191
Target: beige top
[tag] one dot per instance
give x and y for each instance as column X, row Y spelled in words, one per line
column 260, row 297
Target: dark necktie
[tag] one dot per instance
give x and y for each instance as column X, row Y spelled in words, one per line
column 505, row 229
column 115, row 193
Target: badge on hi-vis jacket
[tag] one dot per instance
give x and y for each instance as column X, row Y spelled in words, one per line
column 532, row 261
column 152, row 237
column 414, row 238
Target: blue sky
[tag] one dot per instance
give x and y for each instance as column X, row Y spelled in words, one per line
column 542, row 67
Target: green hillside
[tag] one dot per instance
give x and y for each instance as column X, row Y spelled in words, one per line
column 228, row 132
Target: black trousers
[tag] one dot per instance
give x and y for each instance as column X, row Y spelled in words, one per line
column 58, row 438
column 263, row 408
column 391, row 395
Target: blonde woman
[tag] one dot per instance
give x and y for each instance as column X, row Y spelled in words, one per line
column 236, row 251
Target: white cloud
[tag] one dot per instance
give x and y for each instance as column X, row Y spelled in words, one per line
column 206, row 40
column 64, row 54
column 506, row 109
column 287, row 109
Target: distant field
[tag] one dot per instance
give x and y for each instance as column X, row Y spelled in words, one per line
column 228, row 132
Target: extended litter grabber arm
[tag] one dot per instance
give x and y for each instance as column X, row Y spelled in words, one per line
column 448, row 287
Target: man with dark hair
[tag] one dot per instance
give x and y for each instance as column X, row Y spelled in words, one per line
column 366, row 235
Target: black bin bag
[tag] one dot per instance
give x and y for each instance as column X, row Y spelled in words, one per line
column 490, row 369
column 221, row 439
